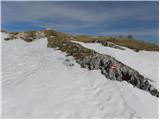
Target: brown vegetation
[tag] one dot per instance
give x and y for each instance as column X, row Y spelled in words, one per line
column 126, row 42
column 135, row 44
column 129, row 41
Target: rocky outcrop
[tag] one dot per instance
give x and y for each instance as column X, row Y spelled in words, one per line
column 32, row 35
column 120, row 73
column 109, row 66
column 27, row 36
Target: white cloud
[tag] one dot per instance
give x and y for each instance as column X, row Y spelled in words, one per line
column 29, row 11
column 136, row 33
column 70, row 16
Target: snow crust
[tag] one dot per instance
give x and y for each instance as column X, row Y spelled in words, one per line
column 38, row 82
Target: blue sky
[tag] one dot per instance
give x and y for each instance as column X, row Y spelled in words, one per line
column 139, row 19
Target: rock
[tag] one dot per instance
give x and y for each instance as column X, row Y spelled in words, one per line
column 6, row 38
column 27, row 36
column 68, row 62
column 121, row 73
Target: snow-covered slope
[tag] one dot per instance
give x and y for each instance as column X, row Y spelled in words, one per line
column 40, row 82
column 145, row 62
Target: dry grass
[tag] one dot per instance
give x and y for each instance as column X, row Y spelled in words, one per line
column 72, row 49
column 135, row 44
column 130, row 43
column 87, row 38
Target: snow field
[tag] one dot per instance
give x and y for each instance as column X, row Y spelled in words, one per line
column 38, row 82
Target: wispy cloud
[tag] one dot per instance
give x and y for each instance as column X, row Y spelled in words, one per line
column 136, row 33
column 85, row 16
column 79, row 11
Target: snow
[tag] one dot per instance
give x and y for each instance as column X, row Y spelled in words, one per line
column 38, row 82
column 0, row 77
column 145, row 62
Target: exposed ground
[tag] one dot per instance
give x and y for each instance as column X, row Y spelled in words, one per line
column 134, row 44
column 126, row 42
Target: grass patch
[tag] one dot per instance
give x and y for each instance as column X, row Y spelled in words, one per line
column 126, row 42
column 135, row 44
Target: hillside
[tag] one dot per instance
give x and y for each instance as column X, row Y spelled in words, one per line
column 126, row 42
column 122, row 41
column 56, row 77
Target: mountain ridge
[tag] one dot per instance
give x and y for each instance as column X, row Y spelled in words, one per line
column 131, row 43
